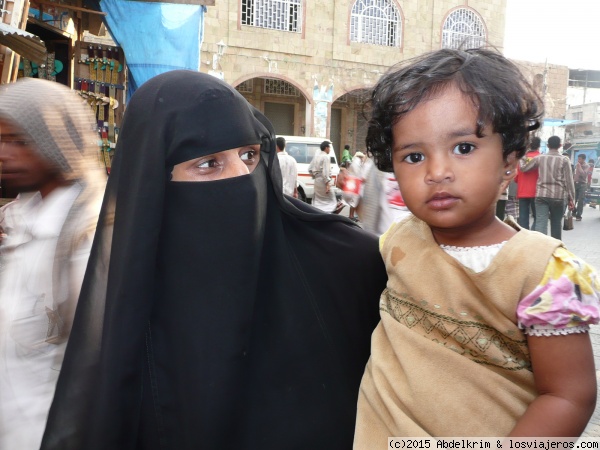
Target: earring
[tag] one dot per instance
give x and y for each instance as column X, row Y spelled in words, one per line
column 508, row 172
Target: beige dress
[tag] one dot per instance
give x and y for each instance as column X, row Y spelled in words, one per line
column 448, row 357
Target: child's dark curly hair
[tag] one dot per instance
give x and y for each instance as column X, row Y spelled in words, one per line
column 498, row 90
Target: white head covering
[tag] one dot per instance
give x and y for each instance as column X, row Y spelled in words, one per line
column 58, row 121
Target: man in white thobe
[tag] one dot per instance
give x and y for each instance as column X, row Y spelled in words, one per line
column 289, row 169
column 324, row 196
column 48, row 155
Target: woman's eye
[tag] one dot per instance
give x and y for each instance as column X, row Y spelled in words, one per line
column 207, row 164
column 414, row 158
column 463, row 149
column 248, row 156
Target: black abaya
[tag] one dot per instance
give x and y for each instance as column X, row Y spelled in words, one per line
column 214, row 314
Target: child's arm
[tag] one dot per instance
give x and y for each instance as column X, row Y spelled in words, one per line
column 565, row 377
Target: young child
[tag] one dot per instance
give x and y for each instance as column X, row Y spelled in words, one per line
column 484, row 326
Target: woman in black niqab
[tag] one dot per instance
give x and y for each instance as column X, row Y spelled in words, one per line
column 213, row 314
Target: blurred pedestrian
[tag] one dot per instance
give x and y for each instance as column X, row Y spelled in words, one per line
column 289, row 169
column 320, row 169
column 554, row 188
column 526, row 186
column 355, row 169
column 357, row 164
column 591, row 165
column 512, row 204
column 501, row 204
column 210, row 316
column 378, row 202
column 346, row 156
column 580, row 177
column 48, row 153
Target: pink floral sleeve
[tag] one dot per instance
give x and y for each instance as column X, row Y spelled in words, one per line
column 566, row 301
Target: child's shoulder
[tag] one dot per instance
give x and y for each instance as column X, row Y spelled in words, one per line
column 406, row 225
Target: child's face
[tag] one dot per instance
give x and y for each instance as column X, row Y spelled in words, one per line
column 449, row 177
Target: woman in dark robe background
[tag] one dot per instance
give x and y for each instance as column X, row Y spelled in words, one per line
column 213, row 314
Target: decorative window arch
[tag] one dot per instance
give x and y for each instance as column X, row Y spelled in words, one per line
column 463, row 28
column 376, row 22
column 285, row 15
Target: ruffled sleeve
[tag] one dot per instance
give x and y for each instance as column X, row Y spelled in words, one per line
column 566, row 301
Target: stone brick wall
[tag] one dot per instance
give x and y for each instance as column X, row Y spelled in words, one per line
column 554, row 93
column 323, row 49
column 323, row 54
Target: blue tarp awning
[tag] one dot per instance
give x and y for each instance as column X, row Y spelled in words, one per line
column 155, row 37
column 558, row 122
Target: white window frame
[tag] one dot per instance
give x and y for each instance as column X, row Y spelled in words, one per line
column 283, row 15
column 386, row 17
column 463, row 28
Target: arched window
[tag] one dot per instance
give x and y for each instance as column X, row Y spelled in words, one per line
column 463, row 29
column 376, row 22
column 285, row 15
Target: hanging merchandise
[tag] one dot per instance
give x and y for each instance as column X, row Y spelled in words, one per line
column 100, row 80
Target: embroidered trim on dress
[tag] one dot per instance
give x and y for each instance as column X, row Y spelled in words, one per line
column 556, row 331
column 467, row 249
column 479, row 342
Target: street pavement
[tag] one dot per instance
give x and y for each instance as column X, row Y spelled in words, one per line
column 584, row 241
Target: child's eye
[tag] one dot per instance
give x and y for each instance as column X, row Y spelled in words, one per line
column 414, row 158
column 463, row 149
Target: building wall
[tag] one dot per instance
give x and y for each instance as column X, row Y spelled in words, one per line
column 588, row 127
column 550, row 82
column 579, row 96
column 322, row 53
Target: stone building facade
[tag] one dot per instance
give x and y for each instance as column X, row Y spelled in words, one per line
column 550, row 82
column 312, row 80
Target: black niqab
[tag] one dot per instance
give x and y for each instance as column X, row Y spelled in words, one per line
column 214, row 314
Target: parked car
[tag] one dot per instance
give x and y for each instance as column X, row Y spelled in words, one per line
column 303, row 149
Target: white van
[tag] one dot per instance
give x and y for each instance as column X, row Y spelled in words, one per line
column 596, row 177
column 303, row 149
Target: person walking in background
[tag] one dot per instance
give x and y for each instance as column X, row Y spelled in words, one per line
column 591, row 164
column 355, row 169
column 484, row 325
column 357, row 165
column 378, row 202
column 501, row 204
column 554, row 187
column 319, row 168
column 289, row 169
column 48, row 151
column 580, row 178
column 526, row 186
column 512, row 204
column 346, row 156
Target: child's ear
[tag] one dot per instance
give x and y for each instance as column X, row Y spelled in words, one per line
column 509, row 171
column 510, row 167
